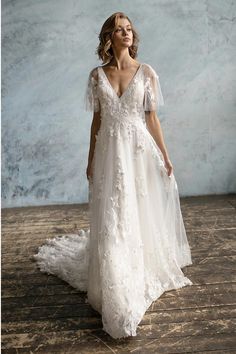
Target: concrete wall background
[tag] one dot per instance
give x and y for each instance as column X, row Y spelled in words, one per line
column 48, row 48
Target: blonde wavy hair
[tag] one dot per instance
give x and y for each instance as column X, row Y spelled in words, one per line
column 104, row 49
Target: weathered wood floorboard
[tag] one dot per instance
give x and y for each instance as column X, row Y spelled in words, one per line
column 43, row 314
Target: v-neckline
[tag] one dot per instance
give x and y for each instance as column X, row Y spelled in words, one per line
column 129, row 84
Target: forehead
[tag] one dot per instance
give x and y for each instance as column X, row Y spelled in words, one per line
column 123, row 22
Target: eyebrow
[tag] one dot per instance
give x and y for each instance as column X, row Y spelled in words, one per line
column 125, row 26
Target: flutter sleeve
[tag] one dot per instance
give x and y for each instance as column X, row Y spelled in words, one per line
column 153, row 97
column 91, row 98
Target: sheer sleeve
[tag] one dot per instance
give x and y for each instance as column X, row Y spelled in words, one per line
column 153, row 97
column 91, row 99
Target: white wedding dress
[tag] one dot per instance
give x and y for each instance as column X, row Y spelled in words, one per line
column 136, row 244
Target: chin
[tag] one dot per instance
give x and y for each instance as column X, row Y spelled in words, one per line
column 126, row 44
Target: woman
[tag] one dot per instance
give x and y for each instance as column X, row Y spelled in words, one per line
column 136, row 244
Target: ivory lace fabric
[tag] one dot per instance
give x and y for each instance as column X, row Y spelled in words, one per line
column 136, row 243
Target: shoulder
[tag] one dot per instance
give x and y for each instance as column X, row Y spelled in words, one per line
column 149, row 71
column 94, row 73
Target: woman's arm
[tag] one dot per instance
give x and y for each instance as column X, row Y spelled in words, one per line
column 96, row 122
column 154, row 127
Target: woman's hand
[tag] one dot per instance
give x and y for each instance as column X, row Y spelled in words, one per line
column 168, row 166
column 89, row 171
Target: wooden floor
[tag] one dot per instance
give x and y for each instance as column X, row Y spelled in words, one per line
column 43, row 314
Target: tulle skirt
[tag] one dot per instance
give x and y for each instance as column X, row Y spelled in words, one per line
column 136, row 243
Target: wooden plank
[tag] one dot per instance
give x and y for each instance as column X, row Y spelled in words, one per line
column 20, row 289
column 96, row 342
column 66, row 289
column 177, row 301
column 202, row 266
column 201, row 222
column 85, row 310
column 145, row 330
column 151, row 330
column 211, row 241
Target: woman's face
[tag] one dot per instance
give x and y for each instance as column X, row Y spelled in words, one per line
column 123, row 35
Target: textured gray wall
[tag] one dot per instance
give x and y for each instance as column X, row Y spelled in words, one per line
column 48, row 49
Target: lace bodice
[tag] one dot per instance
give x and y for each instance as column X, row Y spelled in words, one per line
column 142, row 94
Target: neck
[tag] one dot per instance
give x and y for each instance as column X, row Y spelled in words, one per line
column 121, row 58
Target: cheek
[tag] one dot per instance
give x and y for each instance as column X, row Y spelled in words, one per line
column 116, row 36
